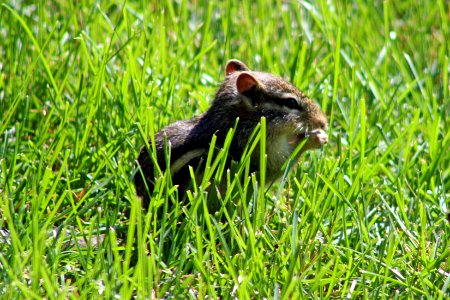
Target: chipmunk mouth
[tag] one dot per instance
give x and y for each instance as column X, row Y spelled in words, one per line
column 316, row 138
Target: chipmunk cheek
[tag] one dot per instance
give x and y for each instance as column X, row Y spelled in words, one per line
column 296, row 139
column 293, row 141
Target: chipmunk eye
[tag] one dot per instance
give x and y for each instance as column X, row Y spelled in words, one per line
column 291, row 103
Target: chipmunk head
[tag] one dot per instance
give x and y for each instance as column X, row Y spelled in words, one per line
column 291, row 116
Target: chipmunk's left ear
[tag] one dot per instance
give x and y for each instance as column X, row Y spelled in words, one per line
column 235, row 65
column 246, row 83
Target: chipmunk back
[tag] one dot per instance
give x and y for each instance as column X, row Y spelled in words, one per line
column 291, row 118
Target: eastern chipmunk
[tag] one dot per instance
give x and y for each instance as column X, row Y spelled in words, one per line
column 291, row 117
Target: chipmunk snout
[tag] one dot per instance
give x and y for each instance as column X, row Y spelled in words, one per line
column 318, row 138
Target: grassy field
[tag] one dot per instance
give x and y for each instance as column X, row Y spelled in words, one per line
column 84, row 83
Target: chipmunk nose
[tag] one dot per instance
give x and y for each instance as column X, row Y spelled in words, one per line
column 323, row 136
column 319, row 137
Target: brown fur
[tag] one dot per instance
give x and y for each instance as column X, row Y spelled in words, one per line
column 246, row 95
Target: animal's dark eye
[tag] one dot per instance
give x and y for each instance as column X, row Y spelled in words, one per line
column 291, row 103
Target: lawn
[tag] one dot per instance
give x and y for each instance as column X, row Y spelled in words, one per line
column 84, row 84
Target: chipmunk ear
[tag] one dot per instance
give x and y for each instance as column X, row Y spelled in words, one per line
column 235, row 65
column 245, row 82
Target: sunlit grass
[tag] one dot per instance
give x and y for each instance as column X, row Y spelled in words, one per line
column 83, row 85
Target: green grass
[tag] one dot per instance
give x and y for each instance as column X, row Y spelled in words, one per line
column 83, row 84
